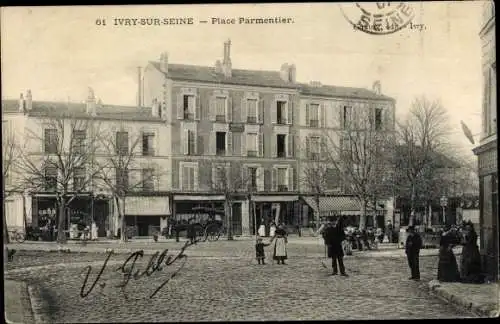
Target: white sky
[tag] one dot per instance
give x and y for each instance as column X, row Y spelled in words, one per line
column 58, row 52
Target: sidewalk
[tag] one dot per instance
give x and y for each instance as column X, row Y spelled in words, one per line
column 481, row 299
column 18, row 309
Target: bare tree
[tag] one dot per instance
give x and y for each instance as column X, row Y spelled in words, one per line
column 422, row 135
column 10, row 152
column 230, row 180
column 59, row 157
column 361, row 153
column 123, row 168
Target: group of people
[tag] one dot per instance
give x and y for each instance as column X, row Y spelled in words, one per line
column 279, row 237
column 448, row 269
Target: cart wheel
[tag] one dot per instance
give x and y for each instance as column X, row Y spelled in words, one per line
column 20, row 237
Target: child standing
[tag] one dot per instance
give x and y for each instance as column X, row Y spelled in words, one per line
column 259, row 250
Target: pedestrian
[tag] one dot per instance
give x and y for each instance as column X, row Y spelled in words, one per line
column 389, row 231
column 380, row 235
column 412, row 249
column 448, row 267
column 192, row 232
column 280, row 251
column 334, row 235
column 262, row 228
column 272, row 229
column 470, row 260
column 259, row 250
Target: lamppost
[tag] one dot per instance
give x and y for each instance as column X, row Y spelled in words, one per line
column 444, row 202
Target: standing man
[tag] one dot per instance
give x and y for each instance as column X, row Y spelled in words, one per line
column 388, row 231
column 334, row 235
column 412, row 249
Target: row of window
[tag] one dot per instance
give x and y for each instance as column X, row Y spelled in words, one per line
column 78, row 142
column 253, row 112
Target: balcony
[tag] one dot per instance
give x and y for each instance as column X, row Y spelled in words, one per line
column 220, row 118
column 282, row 188
column 252, row 120
column 252, row 153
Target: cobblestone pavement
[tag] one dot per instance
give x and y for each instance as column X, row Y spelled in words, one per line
column 229, row 290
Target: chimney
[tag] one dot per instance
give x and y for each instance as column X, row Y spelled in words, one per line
column 164, row 62
column 22, row 103
column 29, row 100
column 155, row 108
column 285, row 72
column 139, row 88
column 226, row 63
column 292, row 73
column 218, row 67
column 91, row 104
column 377, row 88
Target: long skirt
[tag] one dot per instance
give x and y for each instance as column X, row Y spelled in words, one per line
column 280, row 249
column 470, row 264
column 447, row 268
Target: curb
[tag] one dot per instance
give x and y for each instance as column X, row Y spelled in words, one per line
column 461, row 302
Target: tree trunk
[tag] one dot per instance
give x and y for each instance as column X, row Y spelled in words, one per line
column 228, row 212
column 5, row 229
column 362, row 217
column 120, row 206
column 61, row 234
column 316, row 212
column 412, row 206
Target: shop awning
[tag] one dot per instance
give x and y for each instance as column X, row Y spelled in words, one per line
column 274, row 198
column 198, row 198
column 147, row 206
column 341, row 205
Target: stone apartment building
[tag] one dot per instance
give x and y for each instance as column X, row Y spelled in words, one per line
column 34, row 126
column 487, row 149
column 248, row 127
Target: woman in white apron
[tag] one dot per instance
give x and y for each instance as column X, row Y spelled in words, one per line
column 280, row 251
column 94, row 231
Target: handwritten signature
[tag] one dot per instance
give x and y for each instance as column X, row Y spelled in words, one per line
column 155, row 264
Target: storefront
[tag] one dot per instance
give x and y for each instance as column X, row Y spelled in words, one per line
column 278, row 209
column 145, row 215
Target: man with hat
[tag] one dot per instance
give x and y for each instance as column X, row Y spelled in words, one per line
column 412, row 249
column 334, row 235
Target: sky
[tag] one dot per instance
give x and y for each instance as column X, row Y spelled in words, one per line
column 58, row 52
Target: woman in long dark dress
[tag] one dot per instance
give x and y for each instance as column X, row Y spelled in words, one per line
column 280, row 238
column 470, row 261
column 448, row 267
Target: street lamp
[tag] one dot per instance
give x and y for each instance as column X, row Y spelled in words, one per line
column 444, row 202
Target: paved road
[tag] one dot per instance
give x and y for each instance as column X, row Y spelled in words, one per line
column 230, row 289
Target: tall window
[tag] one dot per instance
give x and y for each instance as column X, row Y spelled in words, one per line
column 148, row 144
column 79, row 179
column 51, row 141
column 314, row 115
column 378, row 119
column 189, row 103
column 281, row 145
column 346, row 116
column 191, row 142
column 79, row 137
column 148, row 180
column 220, row 109
column 122, row 143
column 220, row 141
column 252, row 179
column 188, row 181
column 314, row 148
column 252, row 147
column 282, row 179
column 50, row 178
column 281, row 112
column 252, row 111
column 122, row 179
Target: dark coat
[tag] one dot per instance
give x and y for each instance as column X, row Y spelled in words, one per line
column 333, row 239
column 413, row 244
column 447, row 267
column 259, row 250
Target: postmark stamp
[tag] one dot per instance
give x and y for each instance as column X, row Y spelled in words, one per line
column 378, row 18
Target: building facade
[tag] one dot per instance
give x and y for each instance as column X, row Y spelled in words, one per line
column 52, row 140
column 487, row 149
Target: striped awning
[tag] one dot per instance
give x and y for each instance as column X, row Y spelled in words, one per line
column 341, row 205
column 147, row 206
column 276, row 198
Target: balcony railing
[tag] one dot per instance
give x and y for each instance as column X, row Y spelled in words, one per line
column 313, row 123
column 220, row 118
column 252, row 153
column 251, row 119
column 221, row 152
column 188, row 116
column 282, row 188
column 281, row 154
column 148, row 152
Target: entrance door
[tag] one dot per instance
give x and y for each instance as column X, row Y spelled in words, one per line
column 236, row 219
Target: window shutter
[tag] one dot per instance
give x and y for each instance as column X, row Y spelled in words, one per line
column 274, row 112
column 274, row 151
column 260, row 179
column 245, row 180
column 195, row 140
column 289, row 149
column 185, row 178
column 195, row 177
column 214, row 185
column 322, row 115
column 308, row 147
column 243, row 144
column 211, row 143
column 211, row 108
column 180, row 106
column 290, row 179
column 274, row 179
column 261, row 144
column 197, row 111
column 229, row 109
column 244, row 110
column 307, row 114
column 185, row 141
column 323, row 149
column 261, row 111
column 290, row 112
column 229, row 143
